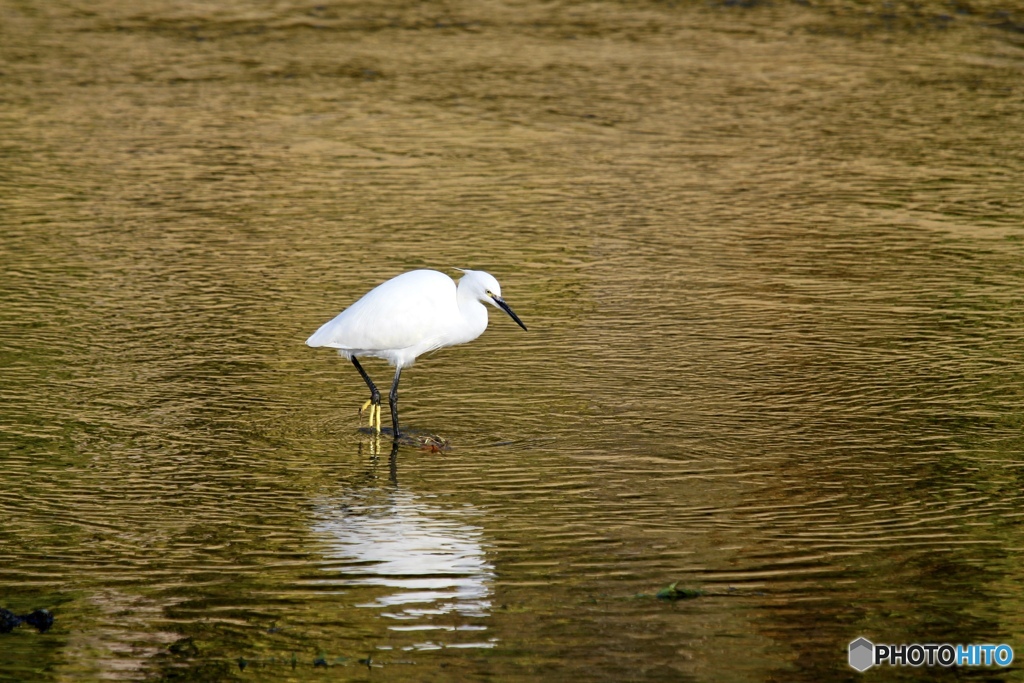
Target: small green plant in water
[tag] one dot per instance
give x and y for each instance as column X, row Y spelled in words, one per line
column 673, row 592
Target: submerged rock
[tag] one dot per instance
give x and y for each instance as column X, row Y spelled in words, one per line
column 42, row 619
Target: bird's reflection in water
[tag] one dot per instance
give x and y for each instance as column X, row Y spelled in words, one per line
column 421, row 565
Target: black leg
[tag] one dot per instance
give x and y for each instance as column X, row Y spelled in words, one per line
column 393, row 399
column 374, row 394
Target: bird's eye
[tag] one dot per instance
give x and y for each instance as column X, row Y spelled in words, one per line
column 488, row 293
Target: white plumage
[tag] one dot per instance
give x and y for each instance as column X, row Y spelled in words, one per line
column 407, row 316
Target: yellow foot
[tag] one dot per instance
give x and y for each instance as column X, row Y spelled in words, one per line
column 374, row 415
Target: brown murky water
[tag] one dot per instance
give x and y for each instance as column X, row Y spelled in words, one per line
column 772, row 261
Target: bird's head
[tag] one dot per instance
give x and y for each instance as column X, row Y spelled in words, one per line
column 484, row 287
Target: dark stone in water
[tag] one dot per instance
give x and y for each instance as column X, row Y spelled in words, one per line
column 8, row 620
column 41, row 619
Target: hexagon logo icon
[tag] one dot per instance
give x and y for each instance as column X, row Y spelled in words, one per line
column 862, row 654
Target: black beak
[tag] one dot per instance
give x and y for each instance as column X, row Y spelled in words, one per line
column 505, row 307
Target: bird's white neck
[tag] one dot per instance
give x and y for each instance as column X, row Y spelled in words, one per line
column 474, row 313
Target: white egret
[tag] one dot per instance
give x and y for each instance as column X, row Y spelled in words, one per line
column 407, row 316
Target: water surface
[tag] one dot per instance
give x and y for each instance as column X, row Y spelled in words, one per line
column 770, row 255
